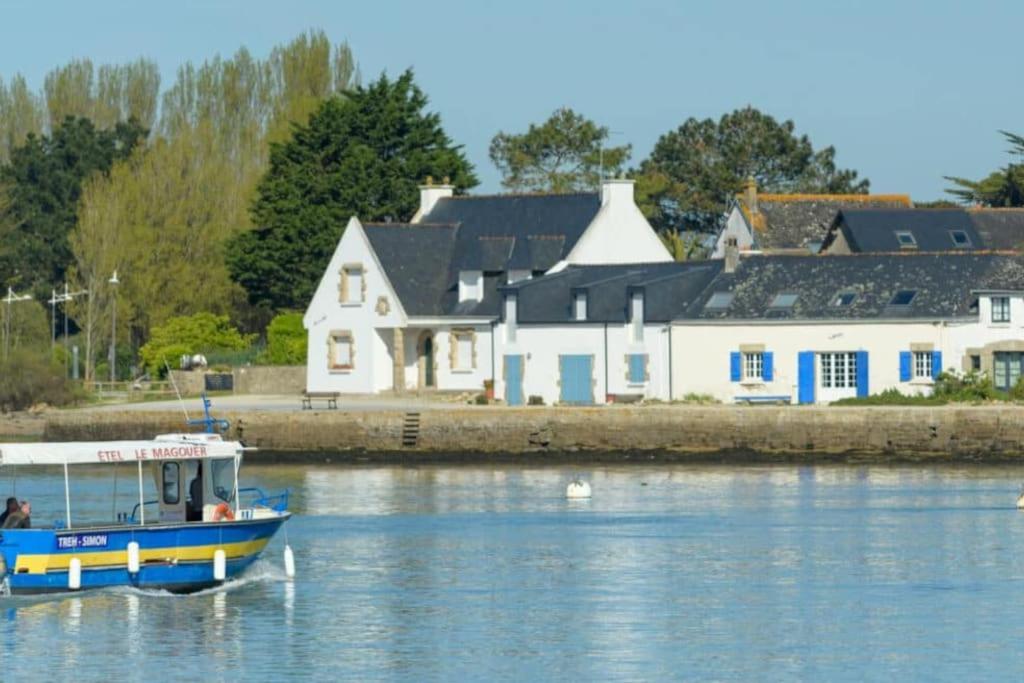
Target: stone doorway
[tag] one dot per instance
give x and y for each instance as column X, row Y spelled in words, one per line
column 426, row 353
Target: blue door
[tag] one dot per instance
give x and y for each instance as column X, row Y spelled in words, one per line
column 576, row 373
column 805, row 376
column 514, row 380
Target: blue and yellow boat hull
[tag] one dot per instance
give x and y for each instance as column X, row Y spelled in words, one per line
column 176, row 557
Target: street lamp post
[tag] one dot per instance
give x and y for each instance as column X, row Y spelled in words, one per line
column 113, row 281
column 10, row 299
column 63, row 298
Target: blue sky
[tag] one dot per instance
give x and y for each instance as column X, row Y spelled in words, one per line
column 906, row 91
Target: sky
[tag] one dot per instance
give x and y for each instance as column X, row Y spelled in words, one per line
column 906, row 92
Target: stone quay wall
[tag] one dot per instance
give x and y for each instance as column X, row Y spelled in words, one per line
column 712, row 433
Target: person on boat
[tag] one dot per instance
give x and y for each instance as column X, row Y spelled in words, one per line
column 12, row 506
column 20, row 518
column 194, row 505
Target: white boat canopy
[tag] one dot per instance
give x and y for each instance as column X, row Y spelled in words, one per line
column 163, row 447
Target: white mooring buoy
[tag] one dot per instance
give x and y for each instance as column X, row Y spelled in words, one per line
column 289, row 562
column 577, row 488
column 220, row 565
column 75, row 574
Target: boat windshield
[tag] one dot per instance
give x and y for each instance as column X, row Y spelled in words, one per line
column 223, row 473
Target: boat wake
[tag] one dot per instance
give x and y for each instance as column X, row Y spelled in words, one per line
column 261, row 571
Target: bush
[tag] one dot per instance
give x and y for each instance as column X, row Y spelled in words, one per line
column 286, row 341
column 28, row 378
column 199, row 333
column 481, row 400
column 700, row 399
column 535, row 401
column 969, row 387
column 893, row 397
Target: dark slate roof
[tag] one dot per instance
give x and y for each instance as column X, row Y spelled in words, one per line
column 999, row 228
column 874, row 230
column 794, row 222
column 944, row 284
column 559, row 219
column 669, row 288
column 416, row 259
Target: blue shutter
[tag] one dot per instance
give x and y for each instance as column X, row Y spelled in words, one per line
column 768, row 374
column 905, row 361
column 637, row 368
column 936, row 364
column 862, row 373
column 734, row 366
column 805, row 374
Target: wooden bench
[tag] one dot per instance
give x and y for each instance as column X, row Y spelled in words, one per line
column 331, row 397
column 751, row 400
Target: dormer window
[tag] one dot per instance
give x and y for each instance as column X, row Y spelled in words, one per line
column 903, row 297
column 719, row 301
column 784, row 300
column 1000, row 309
column 579, row 306
column 906, row 239
column 471, row 285
column 844, row 299
column 511, row 314
column 960, row 238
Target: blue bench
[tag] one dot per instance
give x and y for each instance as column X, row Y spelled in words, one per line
column 760, row 398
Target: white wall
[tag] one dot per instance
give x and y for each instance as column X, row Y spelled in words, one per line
column 619, row 233
column 371, row 369
column 976, row 334
column 701, row 361
column 541, row 346
column 447, row 378
column 735, row 226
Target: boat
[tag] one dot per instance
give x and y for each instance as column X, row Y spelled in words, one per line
column 173, row 543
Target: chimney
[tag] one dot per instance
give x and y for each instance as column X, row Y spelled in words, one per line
column 732, row 255
column 750, row 194
column 618, row 190
column 429, row 195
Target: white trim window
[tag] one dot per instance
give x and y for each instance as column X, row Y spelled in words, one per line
column 341, row 351
column 462, row 350
column 923, row 364
column 1000, row 309
column 838, row 370
column 753, row 366
column 352, row 289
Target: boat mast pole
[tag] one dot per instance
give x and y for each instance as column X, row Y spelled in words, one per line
column 67, row 495
column 142, row 499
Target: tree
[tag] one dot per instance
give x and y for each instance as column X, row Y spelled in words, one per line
column 42, row 185
column 286, row 340
column 695, row 169
column 199, row 333
column 1002, row 188
column 360, row 155
column 21, row 113
column 105, row 96
column 564, row 154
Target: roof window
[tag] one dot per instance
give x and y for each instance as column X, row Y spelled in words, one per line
column 906, row 239
column 784, row 300
column 719, row 301
column 844, row 299
column 960, row 238
column 903, row 297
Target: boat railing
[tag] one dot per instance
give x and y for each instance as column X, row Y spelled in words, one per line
column 130, row 519
column 277, row 502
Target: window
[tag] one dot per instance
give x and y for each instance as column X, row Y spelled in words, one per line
column 171, row 483
column 784, row 300
column 579, row 306
column 341, row 353
column 510, row 318
column 976, row 363
column 637, row 368
column 753, row 366
column 1000, row 309
column 923, row 364
column 462, row 350
column 1007, row 366
column 903, row 297
column 351, row 289
column 223, row 478
column 637, row 317
column 960, row 238
column 719, row 301
column 906, row 239
column 844, row 299
column 839, row 370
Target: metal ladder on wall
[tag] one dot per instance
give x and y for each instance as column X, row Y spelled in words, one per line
column 411, row 430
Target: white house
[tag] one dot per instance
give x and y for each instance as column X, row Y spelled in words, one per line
column 790, row 223
column 413, row 306
column 594, row 334
column 814, row 329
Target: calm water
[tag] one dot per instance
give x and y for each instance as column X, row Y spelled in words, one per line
column 828, row 573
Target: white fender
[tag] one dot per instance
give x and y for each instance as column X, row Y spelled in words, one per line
column 220, row 565
column 75, row 574
column 133, row 558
